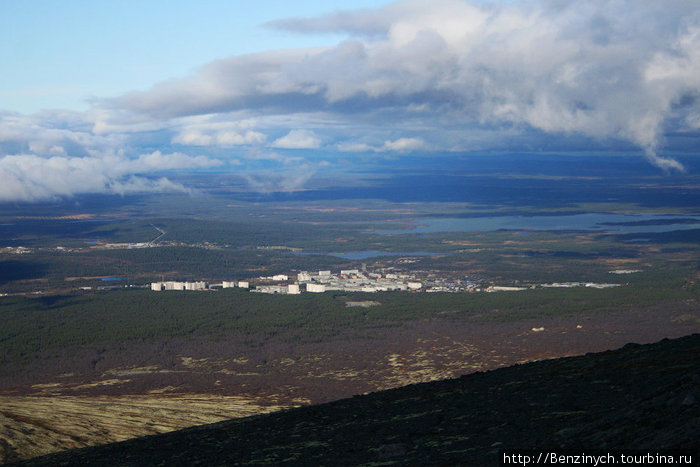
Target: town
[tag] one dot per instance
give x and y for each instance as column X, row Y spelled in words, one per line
column 356, row 280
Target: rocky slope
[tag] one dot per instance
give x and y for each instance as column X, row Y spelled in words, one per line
column 638, row 397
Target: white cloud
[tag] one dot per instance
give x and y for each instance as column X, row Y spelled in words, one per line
column 218, row 131
column 404, row 144
column 354, row 147
column 397, row 145
column 265, row 155
column 298, row 139
column 28, row 177
column 157, row 161
column 135, row 184
column 52, row 133
column 291, row 180
column 609, row 69
column 415, row 75
column 224, row 138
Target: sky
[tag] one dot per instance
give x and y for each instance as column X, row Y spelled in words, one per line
column 106, row 97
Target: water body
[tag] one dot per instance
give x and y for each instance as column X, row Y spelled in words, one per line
column 599, row 222
column 372, row 254
column 359, row 255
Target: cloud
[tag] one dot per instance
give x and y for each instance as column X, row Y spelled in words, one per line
column 365, row 22
column 266, row 155
column 398, row 145
column 355, row 147
column 205, row 132
column 404, row 144
column 411, row 76
column 52, row 133
column 157, row 161
column 57, row 154
column 193, row 137
column 28, row 177
column 298, row 139
column 290, row 180
column 608, row 70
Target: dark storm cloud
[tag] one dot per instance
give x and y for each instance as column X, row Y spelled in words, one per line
column 605, row 69
column 413, row 76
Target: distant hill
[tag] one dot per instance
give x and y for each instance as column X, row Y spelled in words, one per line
column 640, row 397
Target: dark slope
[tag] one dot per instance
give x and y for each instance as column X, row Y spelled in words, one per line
column 637, row 397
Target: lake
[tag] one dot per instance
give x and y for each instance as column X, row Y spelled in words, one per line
column 359, row 255
column 599, row 222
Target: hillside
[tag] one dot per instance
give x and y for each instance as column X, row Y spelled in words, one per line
column 637, row 397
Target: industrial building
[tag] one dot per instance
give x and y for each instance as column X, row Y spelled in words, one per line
column 494, row 288
column 315, row 288
column 271, row 289
column 174, row 285
column 303, row 277
column 276, row 277
column 353, row 280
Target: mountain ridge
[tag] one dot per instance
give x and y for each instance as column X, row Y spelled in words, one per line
column 638, row 397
